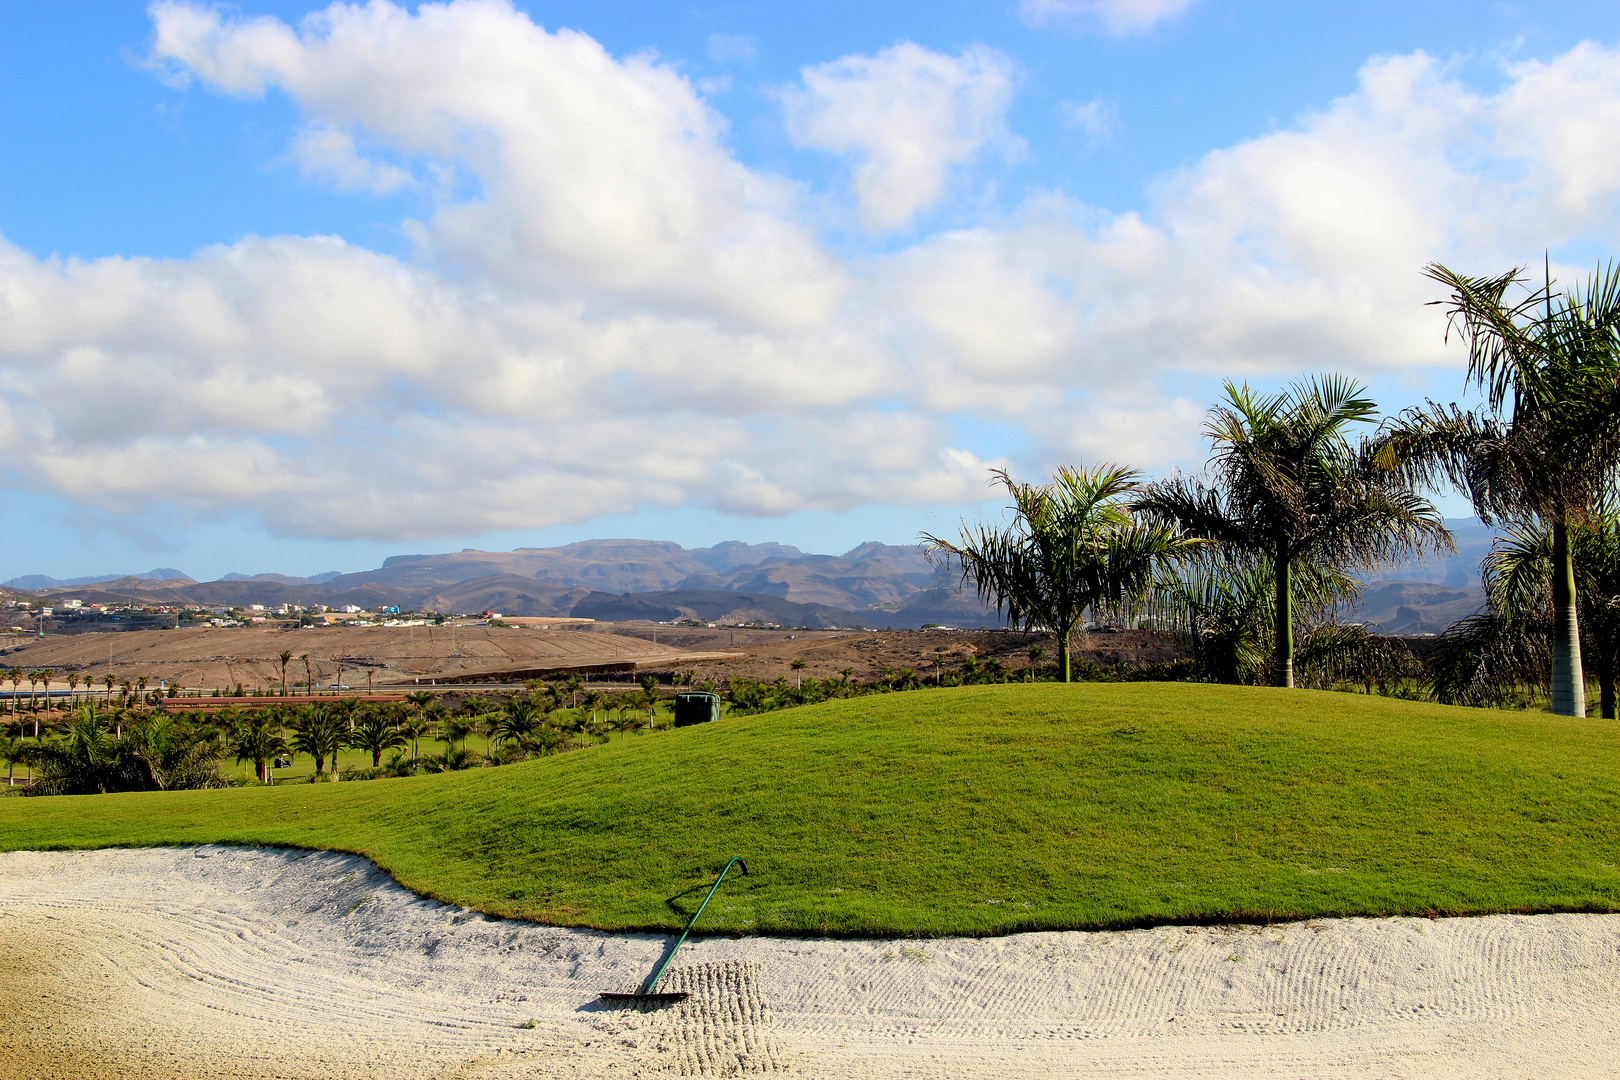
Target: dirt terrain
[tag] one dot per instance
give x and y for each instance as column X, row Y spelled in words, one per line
column 766, row 654
column 201, row 659
column 370, row 656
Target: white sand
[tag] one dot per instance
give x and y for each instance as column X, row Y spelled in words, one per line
column 222, row 962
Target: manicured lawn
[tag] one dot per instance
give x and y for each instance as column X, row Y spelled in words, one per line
column 970, row 811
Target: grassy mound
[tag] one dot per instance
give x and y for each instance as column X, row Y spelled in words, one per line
column 972, row 811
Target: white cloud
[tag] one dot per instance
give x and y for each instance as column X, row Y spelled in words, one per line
column 907, row 116
column 1117, row 17
column 593, row 171
column 1097, row 118
column 626, row 316
column 1293, row 252
column 329, row 154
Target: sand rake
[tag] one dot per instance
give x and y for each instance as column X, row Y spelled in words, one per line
column 649, row 989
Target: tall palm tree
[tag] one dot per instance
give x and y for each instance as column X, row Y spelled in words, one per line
column 309, row 675
column 1546, row 447
column 1073, row 544
column 11, row 752
column 16, row 677
column 73, row 686
column 1289, row 485
column 1487, row 659
column 285, row 656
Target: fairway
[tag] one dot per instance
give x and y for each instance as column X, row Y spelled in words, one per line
column 982, row 810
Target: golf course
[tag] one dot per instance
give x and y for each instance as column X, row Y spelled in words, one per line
column 967, row 812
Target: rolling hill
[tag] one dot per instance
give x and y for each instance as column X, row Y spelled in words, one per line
column 977, row 810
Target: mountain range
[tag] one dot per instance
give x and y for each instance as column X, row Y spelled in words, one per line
column 872, row 585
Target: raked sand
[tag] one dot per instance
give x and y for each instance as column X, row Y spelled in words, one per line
column 222, row 962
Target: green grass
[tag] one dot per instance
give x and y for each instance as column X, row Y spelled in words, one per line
column 970, row 811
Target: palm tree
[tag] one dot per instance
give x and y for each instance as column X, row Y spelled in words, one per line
column 1546, row 448
column 454, row 729
column 73, row 686
column 86, row 763
column 173, row 756
column 420, row 700
column 11, row 752
column 1222, row 612
column 285, row 656
column 798, row 668
column 319, row 732
column 413, row 728
column 517, row 720
column 309, row 676
column 376, row 731
column 33, row 682
column 108, row 679
column 16, row 677
column 258, row 738
column 1072, row 545
column 1487, row 659
column 1290, row 487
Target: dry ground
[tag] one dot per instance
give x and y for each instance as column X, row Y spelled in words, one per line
column 390, row 656
column 204, row 659
column 767, row 654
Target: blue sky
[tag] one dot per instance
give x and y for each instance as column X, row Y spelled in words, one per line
column 293, row 295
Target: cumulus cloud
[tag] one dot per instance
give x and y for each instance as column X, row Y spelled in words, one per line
column 907, row 116
column 593, row 170
column 1117, row 17
column 623, row 315
column 1295, row 251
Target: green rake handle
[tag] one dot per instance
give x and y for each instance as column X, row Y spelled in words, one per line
column 658, row 972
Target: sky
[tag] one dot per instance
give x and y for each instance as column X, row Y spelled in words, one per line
column 292, row 288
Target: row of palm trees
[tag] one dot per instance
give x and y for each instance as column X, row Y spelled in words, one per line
column 41, row 678
column 1294, row 504
column 125, row 749
column 550, row 718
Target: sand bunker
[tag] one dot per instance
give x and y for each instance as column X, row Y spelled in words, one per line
column 221, row 962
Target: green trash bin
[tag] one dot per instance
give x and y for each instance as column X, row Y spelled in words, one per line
column 696, row 707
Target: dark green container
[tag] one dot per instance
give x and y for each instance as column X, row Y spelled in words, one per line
column 696, row 707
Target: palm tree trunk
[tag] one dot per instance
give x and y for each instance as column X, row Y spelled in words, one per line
column 1568, row 680
column 1063, row 654
column 1285, row 619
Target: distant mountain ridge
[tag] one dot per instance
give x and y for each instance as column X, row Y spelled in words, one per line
column 871, row 585
column 40, row 581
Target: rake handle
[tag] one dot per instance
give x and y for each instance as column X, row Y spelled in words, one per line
column 658, row 972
